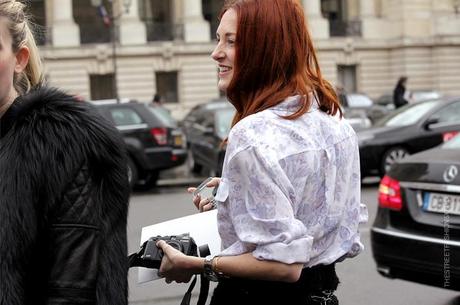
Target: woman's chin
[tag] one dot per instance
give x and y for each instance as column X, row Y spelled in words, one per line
column 222, row 86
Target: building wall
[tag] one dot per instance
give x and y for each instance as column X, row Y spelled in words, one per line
column 417, row 38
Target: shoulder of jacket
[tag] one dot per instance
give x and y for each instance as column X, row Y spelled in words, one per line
column 50, row 102
column 58, row 119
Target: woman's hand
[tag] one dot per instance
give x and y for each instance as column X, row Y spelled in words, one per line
column 204, row 205
column 176, row 266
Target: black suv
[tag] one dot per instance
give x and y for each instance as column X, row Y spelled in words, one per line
column 153, row 140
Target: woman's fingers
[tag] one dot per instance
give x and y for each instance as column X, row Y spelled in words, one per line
column 205, row 204
column 196, row 201
column 214, row 182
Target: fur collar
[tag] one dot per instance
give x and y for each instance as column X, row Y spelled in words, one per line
column 36, row 99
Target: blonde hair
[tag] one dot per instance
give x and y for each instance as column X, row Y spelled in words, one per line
column 21, row 33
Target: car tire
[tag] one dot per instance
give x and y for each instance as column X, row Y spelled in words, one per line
column 149, row 181
column 133, row 173
column 391, row 156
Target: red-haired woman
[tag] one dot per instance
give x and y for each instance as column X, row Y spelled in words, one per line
column 289, row 197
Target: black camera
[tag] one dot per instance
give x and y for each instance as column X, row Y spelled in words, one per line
column 150, row 255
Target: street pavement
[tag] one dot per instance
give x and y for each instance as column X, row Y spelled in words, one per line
column 360, row 282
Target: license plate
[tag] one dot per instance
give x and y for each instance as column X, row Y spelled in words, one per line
column 441, row 203
column 178, row 141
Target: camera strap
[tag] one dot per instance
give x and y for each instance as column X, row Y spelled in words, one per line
column 204, row 283
column 204, row 290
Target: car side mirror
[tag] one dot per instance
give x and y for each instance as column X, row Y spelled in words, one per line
column 430, row 122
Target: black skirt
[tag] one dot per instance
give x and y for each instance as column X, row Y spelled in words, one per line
column 315, row 286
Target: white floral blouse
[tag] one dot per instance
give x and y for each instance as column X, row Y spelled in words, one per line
column 290, row 189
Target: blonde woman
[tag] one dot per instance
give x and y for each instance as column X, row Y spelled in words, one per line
column 63, row 186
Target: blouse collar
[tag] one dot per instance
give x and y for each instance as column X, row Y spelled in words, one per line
column 292, row 103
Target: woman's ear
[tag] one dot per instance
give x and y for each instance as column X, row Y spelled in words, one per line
column 22, row 59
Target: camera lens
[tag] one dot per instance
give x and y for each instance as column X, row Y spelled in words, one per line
column 175, row 244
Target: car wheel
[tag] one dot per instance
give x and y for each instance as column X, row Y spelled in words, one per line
column 149, row 182
column 133, row 173
column 191, row 164
column 391, row 156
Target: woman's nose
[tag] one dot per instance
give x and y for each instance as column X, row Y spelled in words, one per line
column 217, row 53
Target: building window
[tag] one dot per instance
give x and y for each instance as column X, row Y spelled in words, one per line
column 167, row 86
column 211, row 10
column 92, row 26
column 340, row 18
column 158, row 18
column 38, row 12
column 102, row 86
column 347, row 78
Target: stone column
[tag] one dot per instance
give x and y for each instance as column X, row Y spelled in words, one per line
column 371, row 26
column 196, row 29
column 367, row 9
column 132, row 29
column 65, row 31
column 318, row 25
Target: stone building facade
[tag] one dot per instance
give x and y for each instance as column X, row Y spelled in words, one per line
column 164, row 46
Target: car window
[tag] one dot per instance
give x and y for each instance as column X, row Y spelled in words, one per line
column 450, row 113
column 385, row 99
column 163, row 115
column 408, row 114
column 192, row 115
column 208, row 121
column 452, row 143
column 224, row 122
column 125, row 116
column 201, row 117
column 356, row 100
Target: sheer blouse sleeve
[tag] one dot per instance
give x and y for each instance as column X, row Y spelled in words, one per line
column 261, row 210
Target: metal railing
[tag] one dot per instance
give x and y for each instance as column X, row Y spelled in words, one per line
column 341, row 28
column 164, row 31
column 89, row 33
column 94, row 33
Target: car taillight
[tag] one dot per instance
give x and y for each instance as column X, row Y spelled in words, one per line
column 160, row 135
column 390, row 194
column 448, row 135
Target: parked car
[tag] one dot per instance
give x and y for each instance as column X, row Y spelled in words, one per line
column 408, row 130
column 359, row 102
column 416, row 233
column 357, row 118
column 423, row 95
column 152, row 137
column 206, row 126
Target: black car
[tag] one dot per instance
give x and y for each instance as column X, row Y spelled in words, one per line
column 408, row 130
column 206, row 126
column 152, row 137
column 416, row 233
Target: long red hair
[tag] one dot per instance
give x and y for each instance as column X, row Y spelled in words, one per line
column 275, row 59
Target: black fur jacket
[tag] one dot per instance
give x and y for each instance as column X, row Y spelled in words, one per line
column 63, row 204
